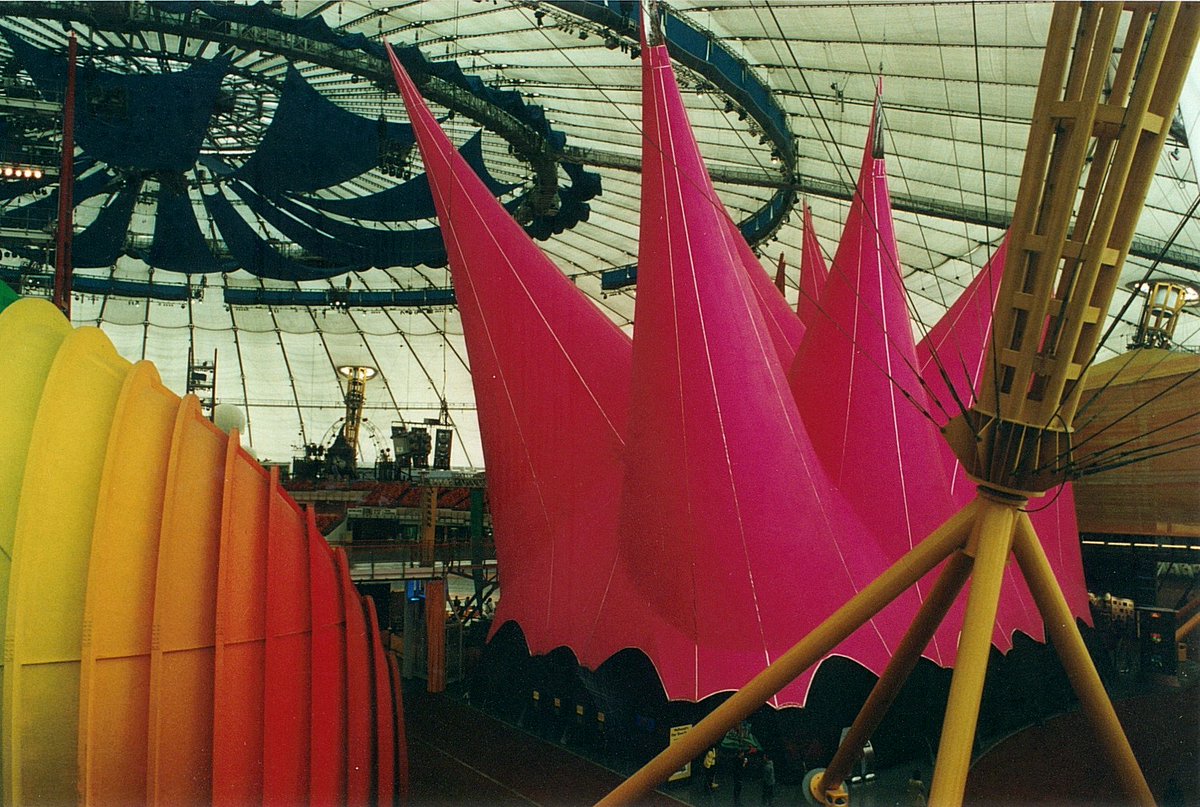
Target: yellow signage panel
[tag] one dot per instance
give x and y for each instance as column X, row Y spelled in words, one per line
column 686, row 771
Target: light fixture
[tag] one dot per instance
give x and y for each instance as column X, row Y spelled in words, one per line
column 357, row 371
column 21, row 172
column 1191, row 293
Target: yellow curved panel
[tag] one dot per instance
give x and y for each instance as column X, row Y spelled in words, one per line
column 31, row 332
column 182, row 660
column 51, row 549
column 114, row 690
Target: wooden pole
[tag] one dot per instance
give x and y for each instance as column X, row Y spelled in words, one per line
column 937, row 603
column 1068, row 643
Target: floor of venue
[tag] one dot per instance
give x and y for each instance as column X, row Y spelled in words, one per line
column 460, row 755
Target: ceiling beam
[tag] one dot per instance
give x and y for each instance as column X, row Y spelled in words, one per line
column 1143, row 246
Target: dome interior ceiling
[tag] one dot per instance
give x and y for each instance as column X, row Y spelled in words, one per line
column 959, row 81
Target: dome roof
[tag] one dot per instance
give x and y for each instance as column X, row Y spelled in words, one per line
column 295, row 266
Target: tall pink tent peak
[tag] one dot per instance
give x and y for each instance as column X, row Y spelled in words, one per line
column 813, row 272
column 855, row 377
column 551, row 377
column 857, row 388
column 781, row 274
column 711, row 421
column 954, row 351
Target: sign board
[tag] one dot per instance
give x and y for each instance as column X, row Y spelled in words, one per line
column 683, row 773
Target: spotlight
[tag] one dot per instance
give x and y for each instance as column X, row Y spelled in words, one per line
column 8, row 170
column 635, row 52
column 729, row 106
column 610, row 42
column 538, row 16
column 582, row 36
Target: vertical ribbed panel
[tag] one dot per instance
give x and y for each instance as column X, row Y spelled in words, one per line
column 48, row 580
column 241, row 631
column 160, row 644
column 115, row 683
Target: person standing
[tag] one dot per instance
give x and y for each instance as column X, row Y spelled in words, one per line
column 710, row 769
column 739, row 768
column 768, row 781
column 915, row 790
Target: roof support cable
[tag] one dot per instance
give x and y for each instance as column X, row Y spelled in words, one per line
column 1070, row 388
column 1081, row 424
column 405, row 337
column 1066, row 454
column 987, row 267
column 897, row 274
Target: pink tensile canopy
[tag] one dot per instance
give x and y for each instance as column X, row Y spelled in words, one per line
column 783, row 325
column 855, row 382
column 551, row 378
column 813, row 272
column 741, row 543
column 954, row 350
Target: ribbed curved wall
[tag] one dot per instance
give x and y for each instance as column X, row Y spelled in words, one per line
column 176, row 631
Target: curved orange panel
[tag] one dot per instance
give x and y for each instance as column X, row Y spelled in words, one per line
column 240, row 632
column 288, row 701
column 328, row 768
column 385, row 713
column 401, row 737
column 359, row 722
column 182, row 658
column 48, row 582
column 31, row 332
column 114, row 692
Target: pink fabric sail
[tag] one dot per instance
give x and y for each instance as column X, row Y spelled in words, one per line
column 783, row 325
column 551, row 378
column 813, row 272
column 718, row 552
column 950, row 359
column 951, row 355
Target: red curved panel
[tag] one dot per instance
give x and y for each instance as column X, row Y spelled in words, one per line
column 359, row 722
column 385, row 733
column 288, row 703
column 401, row 737
column 239, row 684
column 328, row 753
